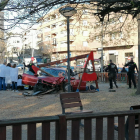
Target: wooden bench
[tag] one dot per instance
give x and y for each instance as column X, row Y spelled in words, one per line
column 71, row 100
column 127, row 124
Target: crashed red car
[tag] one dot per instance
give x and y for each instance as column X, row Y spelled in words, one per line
column 60, row 75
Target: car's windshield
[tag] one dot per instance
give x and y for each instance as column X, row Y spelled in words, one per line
column 54, row 72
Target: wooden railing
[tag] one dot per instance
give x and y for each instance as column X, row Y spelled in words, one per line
column 103, row 77
column 121, row 77
column 31, row 127
column 61, row 129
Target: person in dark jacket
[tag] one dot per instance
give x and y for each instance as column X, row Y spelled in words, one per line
column 122, row 73
column 30, row 66
column 112, row 68
column 131, row 71
column 123, row 70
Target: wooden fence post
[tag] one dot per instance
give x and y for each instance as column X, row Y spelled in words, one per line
column 2, row 132
column 62, row 134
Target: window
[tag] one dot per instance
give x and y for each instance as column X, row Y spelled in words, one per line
column 85, row 44
column 56, row 73
column 17, row 41
column 120, row 35
column 71, row 31
column 84, row 22
column 85, row 12
column 85, row 33
column 121, row 19
column 62, row 24
column 45, row 69
column 63, row 44
column 54, row 26
column 113, row 36
column 54, row 41
column 47, row 38
column 97, row 38
column 63, row 33
column 129, row 54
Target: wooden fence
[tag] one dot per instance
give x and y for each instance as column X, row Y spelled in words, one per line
column 61, row 128
column 103, row 77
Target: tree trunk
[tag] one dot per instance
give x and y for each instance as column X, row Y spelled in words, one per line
column 138, row 87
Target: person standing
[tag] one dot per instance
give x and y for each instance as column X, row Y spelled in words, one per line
column 14, row 78
column 123, row 70
column 112, row 68
column 131, row 72
column 7, row 76
column 122, row 73
column 2, row 76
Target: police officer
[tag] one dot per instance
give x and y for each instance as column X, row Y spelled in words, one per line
column 131, row 71
column 71, row 72
column 112, row 68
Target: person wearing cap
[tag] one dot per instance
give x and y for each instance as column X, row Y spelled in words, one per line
column 131, row 72
column 112, row 68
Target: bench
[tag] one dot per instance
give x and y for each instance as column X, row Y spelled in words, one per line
column 127, row 124
column 71, row 100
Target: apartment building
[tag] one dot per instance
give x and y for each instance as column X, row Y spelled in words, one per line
column 86, row 34
column 14, row 47
column 30, row 44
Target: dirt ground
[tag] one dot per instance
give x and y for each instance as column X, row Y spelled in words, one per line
column 15, row 105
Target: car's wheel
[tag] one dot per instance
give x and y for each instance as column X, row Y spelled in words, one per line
column 30, row 87
column 40, row 87
column 65, row 87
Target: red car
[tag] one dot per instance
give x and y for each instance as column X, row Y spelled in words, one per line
column 31, row 79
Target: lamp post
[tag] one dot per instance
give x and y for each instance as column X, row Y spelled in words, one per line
column 68, row 12
column 102, row 49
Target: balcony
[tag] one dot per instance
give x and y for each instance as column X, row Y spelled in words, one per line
column 54, row 21
column 40, row 35
column 65, row 38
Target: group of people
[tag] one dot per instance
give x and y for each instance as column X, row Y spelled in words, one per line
column 112, row 69
column 8, row 77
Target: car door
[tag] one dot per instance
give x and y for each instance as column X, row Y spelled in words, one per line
column 28, row 78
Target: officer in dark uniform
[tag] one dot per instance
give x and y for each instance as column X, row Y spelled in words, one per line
column 131, row 71
column 112, row 68
column 30, row 66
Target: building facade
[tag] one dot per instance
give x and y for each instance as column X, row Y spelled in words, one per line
column 14, row 49
column 86, row 34
column 30, row 44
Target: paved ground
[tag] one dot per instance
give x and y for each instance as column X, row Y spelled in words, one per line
column 15, row 105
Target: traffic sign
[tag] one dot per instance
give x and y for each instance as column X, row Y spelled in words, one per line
column 32, row 58
column 129, row 58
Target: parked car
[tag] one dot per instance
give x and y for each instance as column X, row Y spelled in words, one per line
column 80, row 68
column 31, row 79
column 20, row 66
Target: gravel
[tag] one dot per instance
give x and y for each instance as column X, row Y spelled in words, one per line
column 14, row 105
